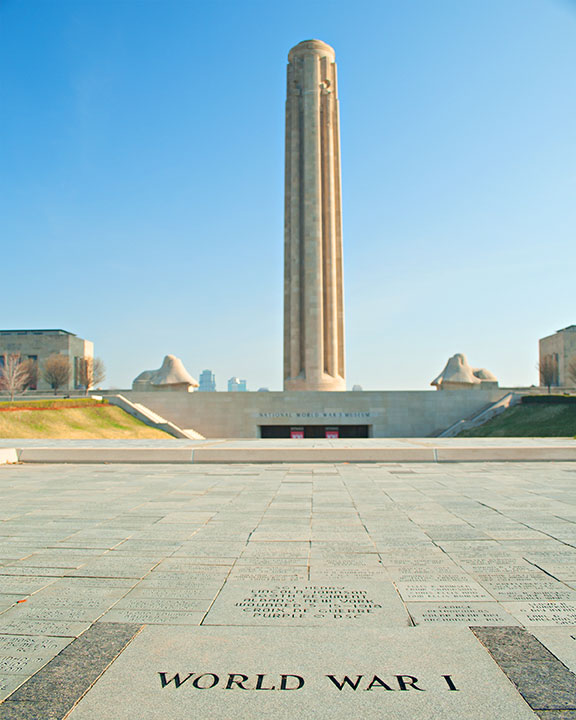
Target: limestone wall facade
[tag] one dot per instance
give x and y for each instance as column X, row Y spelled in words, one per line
column 389, row 414
column 40, row 344
column 562, row 347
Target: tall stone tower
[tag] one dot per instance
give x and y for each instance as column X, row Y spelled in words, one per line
column 313, row 297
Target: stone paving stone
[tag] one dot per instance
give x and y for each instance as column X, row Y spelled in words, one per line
column 51, row 628
column 7, row 601
column 323, row 575
column 306, row 604
column 29, row 572
column 543, row 681
column 422, row 574
column 258, row 562
column 50, row 561
column 18, row 645
column 212, row 550
column 152, row 617
column 189, row 564
column 561, row 641
column 268, row 575
column 528, row 590
column 95, row 584
column 404, row 669
column 543, row 613
column 54, row 690
column 433, row 591
column 21, row 664
column 23, row 586
column 468, row 614
column 193, row 594
column 561, row 571
column 134, row 601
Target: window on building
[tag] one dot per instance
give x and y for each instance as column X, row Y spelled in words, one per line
column 34, row 376
column 78, row 373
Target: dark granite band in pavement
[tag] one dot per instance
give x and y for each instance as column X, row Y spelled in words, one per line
column 53, row 691
column 543, row 681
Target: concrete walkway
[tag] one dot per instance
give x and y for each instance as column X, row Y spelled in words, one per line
column 319, row 590
column 435, row 450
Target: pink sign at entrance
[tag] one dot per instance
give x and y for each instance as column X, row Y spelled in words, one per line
column 332, row 434
column 297, row 433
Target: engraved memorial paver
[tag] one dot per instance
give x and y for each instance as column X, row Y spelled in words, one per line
column 474, row 613
column 543, row 613
column 152, row 617
column 308, row 604
column 524, row 590
column 52, row 628
column 17, row 645
column 431, row 591
column 216, row 673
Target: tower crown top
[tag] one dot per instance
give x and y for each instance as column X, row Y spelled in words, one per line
column 311, row 47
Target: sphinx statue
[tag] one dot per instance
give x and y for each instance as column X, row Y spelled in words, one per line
column 172, row 375
column 459, row 375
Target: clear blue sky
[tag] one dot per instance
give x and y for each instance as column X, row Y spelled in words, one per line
column 141, row 180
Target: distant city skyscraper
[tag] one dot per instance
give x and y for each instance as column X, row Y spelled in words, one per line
column 207, row 381
column 236, row 385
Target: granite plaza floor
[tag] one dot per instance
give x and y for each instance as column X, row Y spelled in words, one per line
column 397, row 590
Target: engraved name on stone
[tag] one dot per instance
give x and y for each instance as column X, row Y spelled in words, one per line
column 313, row 601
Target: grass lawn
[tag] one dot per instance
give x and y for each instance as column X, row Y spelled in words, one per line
column 73, row 418
column 538, row 420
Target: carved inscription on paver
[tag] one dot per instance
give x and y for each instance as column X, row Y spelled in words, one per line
column 442, row 591
column 320, row 601
column 29, row 645
column 289, row 681
column 42, row 627
column 279, row 574
column 544, row 613
column 19, row 664
column 330, row 574
column 529, row 590
column 459, row 613
column 152, row 617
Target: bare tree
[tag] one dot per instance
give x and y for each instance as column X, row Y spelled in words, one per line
column 548, row 368
column 571, row 371
column 56, row 371
column 90, row 372
column 16, row 375
column 32, row 374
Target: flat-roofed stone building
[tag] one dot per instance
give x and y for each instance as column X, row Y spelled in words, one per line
column 561, row 348
column 37, row 345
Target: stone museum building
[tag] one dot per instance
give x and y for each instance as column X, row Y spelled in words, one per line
column 37, row 345
column 561, row 347
column 314, row 363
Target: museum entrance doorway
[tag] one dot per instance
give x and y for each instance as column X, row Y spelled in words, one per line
column 314, row 431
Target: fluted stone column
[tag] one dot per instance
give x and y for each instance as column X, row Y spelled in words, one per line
column 313, row 298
